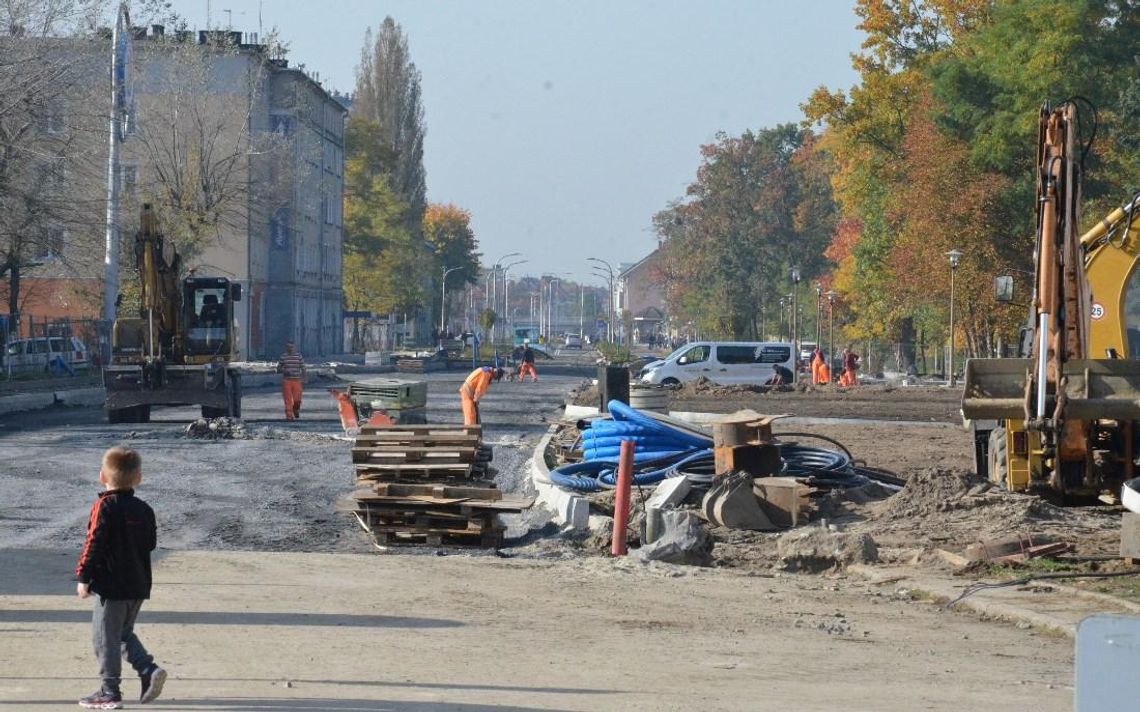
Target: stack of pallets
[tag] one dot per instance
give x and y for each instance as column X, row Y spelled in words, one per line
column 424, row 484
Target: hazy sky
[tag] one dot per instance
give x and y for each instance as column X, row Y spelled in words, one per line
column 563, row 126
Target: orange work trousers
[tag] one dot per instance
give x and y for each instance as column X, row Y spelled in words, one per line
column 291, row 394
column 527, row 368
column 848, row 377
column 823, row 375
column 470, row 408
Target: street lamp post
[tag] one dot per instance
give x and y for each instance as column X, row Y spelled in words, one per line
column 955, row 256
column 507, row 293
column 830, row 327
column 795, row 325
column 818, row 315
column 495, row 288
column 443, row 302
column 610, row 272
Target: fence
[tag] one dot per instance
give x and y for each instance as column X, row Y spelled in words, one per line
column 46, row 347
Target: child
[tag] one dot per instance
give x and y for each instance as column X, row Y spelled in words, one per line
column 115, row 565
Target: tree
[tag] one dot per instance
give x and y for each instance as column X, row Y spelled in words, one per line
column 47, row 79
column 759, row 206
column 384, row 269
column 388, row 92
column 448, row 233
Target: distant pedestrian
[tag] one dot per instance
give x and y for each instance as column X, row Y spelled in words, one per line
column 527, row 364
column 115, row 566
column 292, row 370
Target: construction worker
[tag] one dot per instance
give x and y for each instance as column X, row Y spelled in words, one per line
column 781, row 376
column 821, row 373
column 850, row 364
column 292, row 370
column 473, row 390
column 527, row 363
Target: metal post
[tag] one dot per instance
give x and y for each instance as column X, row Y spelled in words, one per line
column 954, row 256
column 830, row 328
column 581, row 311
column 120, row 54
column 795, row 326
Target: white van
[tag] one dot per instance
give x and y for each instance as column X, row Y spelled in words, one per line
column 723, row 362
column 37, row 352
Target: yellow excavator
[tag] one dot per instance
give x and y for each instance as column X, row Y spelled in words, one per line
column 1061, row 419
column 180, row 348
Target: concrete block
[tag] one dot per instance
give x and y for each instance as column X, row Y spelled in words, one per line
column 1130, row 535
column 26, row 401
column 669, row 493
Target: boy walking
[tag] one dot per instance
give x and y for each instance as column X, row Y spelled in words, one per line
column 115, row 565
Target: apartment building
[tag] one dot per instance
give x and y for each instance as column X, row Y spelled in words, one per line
column 242, row 155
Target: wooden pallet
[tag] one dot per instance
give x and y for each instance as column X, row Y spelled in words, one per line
column 456, row 439
column 425, row 428
column 447, row 472
column 486, row 531
column 437, row 491
column 406, row 453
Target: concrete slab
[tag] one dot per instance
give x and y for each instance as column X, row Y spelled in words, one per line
column 569, row 509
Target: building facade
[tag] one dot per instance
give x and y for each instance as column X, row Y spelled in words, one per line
column 641, row 301
column 242, row 156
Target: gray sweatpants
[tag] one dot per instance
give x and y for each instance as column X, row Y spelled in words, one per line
column 113, row 632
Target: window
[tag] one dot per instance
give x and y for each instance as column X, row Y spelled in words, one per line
column 128, row 179
column 50, row 244
column 281, row 124
column 697, row 354
column 736, row 354
column 54, row 121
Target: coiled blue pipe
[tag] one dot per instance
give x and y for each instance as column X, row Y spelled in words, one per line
column 663, row 451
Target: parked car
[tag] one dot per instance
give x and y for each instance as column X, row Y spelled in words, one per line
column 573, row 341
column 37, row 352
column 723, row 362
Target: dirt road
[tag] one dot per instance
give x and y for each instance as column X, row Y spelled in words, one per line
column 257, row 631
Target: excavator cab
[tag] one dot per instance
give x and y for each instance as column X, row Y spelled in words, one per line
column 209, row 316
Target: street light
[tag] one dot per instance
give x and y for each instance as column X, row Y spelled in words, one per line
column 818, row 314
column 507, row 293
column 795, row 326
column 955, row 256
column 610, row 272
column 443, row 302
column 495, row 287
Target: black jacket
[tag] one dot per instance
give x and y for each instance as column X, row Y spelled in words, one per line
column 121, row 533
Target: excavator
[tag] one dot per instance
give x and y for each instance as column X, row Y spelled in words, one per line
column 180, row 348
column 1061, row 420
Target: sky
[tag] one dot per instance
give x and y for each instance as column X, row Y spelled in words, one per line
column 564, row 126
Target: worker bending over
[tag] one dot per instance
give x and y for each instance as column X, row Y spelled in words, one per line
column 473, row 390
column 820, row 372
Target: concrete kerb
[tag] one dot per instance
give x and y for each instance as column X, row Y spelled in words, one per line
column 23, row 402
column 570, row 509
column 1048, row 607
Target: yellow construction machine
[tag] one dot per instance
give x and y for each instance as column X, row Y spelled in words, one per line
column 180, row 348
column 1060, row 419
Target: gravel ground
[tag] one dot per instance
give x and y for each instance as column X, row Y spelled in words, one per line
column 274, row 492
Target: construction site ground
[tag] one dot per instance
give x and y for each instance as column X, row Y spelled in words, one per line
column 265, row 598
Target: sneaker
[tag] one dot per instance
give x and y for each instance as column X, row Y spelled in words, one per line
column 102, row 700
column 152, row 681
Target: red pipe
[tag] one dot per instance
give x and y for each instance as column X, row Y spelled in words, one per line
column 621, row 501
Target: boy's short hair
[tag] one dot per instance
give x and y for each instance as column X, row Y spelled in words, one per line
column 122, row 466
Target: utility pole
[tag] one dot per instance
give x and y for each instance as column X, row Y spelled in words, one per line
column 795, row 325
column 581, row 311
column 120, row 63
